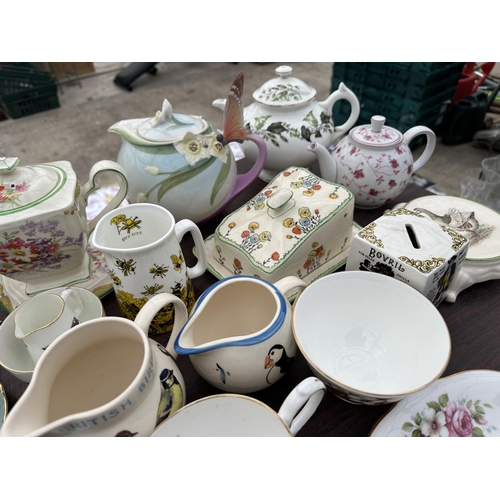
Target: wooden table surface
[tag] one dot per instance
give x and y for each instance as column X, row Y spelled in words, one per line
column 472, row 321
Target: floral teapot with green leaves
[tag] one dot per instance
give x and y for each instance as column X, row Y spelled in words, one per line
column 286, row 114
column 176, row 161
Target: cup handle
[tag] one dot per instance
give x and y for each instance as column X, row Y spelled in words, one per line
column 307, row 395
column 151, row 308
column 94, row 184
column 187, row 226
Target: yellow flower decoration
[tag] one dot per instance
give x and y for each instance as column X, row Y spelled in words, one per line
column 304, row 212
column 232, row 224
column 288, row 222
column 296, row 184
column 265, row 236
column 259, row 205
column 253, row 226
column 193, row 148
column 308, row 192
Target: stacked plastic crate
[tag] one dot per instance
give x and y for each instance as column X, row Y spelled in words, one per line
column 407, row 94
column 26, row 89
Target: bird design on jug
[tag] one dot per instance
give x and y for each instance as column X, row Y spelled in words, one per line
column 460, row 221
column 223, row 373
column 277, row 362
column 171, row 395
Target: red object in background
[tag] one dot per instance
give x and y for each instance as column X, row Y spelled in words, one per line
column 469, row 81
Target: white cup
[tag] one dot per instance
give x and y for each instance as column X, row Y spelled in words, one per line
column 42, row 318
column 236, row 415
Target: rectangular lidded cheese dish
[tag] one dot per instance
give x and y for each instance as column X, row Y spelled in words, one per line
column 294, row 227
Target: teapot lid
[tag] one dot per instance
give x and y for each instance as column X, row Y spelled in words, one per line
column 376, row 134
column 284, row 90
column 166, row 127
column 26, row 187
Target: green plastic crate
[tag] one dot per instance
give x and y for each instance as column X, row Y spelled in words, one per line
column 30, row 101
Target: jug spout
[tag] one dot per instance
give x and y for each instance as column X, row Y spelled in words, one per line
column 327, row 164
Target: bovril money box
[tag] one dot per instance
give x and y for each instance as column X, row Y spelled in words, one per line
column 412, row 248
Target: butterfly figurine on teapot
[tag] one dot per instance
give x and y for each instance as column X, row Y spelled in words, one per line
column 183, row 162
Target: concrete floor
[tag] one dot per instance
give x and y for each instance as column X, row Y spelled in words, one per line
column 78, row 130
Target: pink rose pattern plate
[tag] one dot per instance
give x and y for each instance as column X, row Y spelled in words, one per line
column 466, row 404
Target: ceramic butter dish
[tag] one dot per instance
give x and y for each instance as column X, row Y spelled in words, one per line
column 412, row 248
column 295, row 226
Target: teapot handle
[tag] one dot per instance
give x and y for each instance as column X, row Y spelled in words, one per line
column 343, row 92
column 307, row 395
column 153, row 306
column 409, row 135
column 94, row 184
column 244, row 180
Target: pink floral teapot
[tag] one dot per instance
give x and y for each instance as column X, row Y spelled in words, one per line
column 374, row 161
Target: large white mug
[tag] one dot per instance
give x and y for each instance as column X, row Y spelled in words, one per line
column 141, row 243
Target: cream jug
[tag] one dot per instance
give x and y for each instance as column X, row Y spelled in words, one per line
column 239, row 335
column 141, row 243
column 103, row 377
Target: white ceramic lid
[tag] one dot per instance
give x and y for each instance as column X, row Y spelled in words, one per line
column 285, row 90
column 25, row 187
column 376, row 134
column 167, row 127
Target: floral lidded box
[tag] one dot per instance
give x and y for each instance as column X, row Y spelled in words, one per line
column 295, row 226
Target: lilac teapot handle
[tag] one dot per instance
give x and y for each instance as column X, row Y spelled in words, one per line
column 244, row 180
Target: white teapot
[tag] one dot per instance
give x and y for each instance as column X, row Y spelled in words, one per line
column 374, row 161
column 287, row 116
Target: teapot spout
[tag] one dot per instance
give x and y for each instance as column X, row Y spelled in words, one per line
column 327, row 164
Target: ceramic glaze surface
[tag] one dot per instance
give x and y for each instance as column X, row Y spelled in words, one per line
column 293, row 227
column 14, row 356
column 465, row 404
column 176, row 161
column 479, row 223
column 239, row 335
column 141, row 243
column 44, row 225
column 374, row 161
column 287, row 116
column 370, row 338
column 407, row 246
column 103, row 377
column 234, row 415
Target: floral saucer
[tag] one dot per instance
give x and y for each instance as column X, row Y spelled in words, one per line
column 14, row 293
column 220, row 271
column 3, row 405
column 466, row 404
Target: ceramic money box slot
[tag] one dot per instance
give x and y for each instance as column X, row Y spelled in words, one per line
column 414, row 249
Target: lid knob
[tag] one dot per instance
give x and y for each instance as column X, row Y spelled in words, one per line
column 377, row 123
column 284, row 71
column 280, row 198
